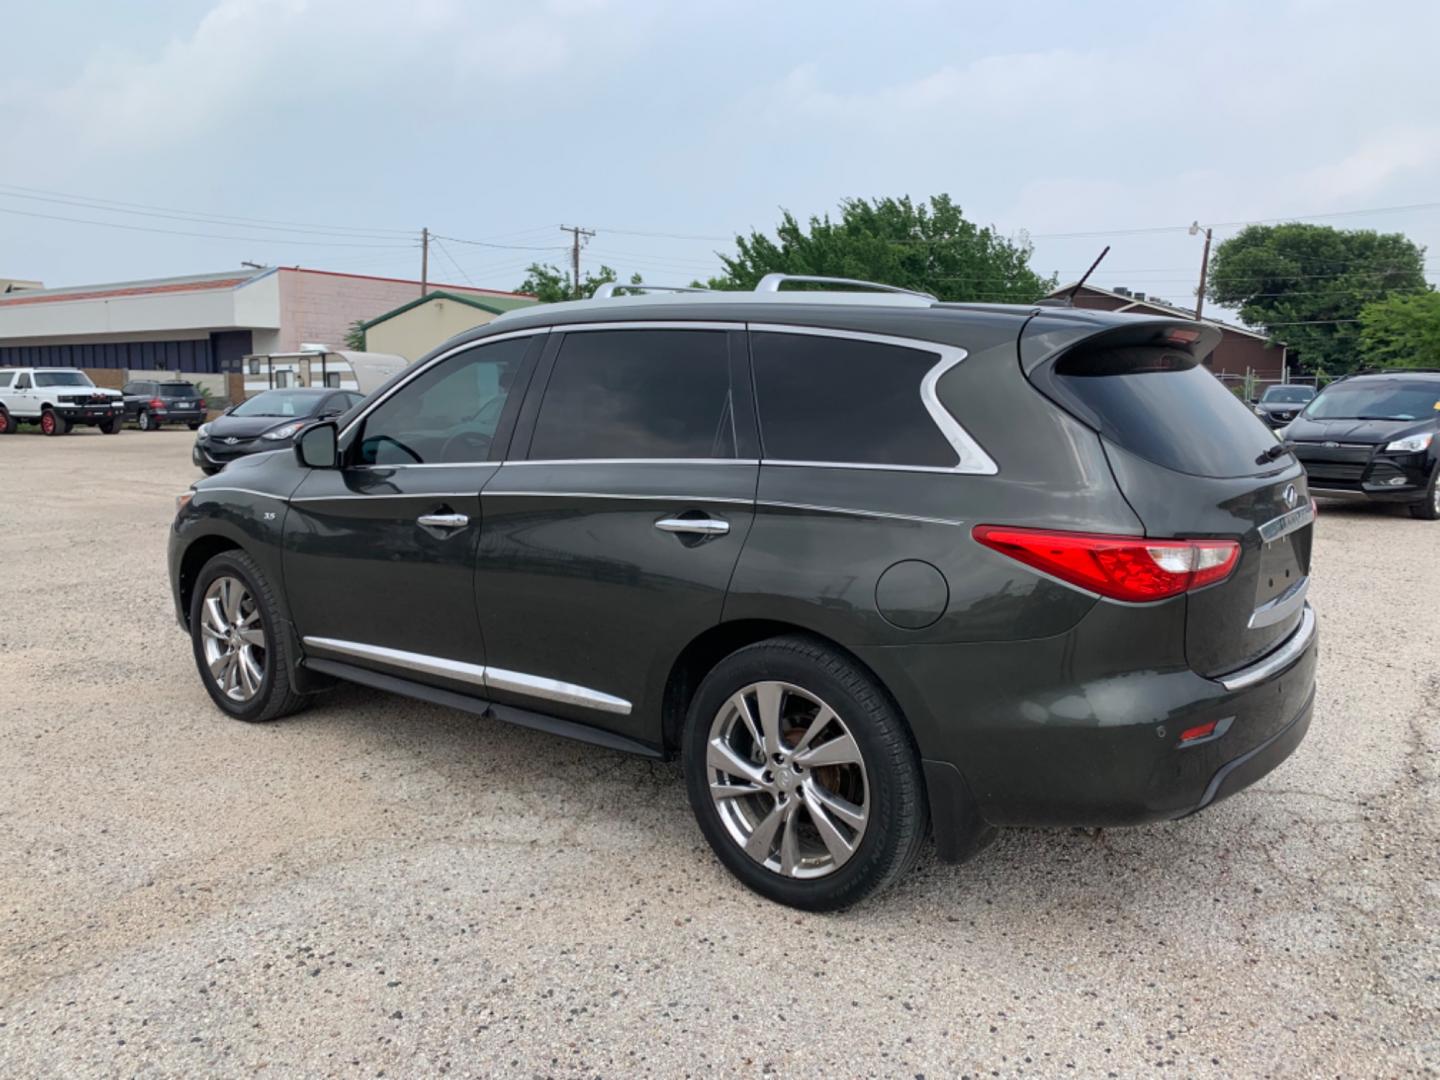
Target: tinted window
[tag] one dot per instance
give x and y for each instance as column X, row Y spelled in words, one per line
column 1377, row 399
column 1288, row 395
column 844, row 401
column 278, row 403
column 1164, row 407
column 6, row 377
column 23, row 382
column 178, row 390
column 638, row 394
column 448, row 415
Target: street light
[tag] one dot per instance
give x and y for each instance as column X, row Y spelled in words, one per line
column 1204, row 265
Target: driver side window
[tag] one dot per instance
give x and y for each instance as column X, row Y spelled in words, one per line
column 449, row 415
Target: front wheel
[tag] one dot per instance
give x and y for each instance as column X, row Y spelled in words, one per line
column 51, row 424
column 110, row 427
column 1429, row 509
column 237, row 631
column 802, row 775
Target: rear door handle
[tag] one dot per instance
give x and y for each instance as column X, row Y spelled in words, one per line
column 695, row 526
column 443, row 521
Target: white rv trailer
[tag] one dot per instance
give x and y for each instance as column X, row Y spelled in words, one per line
column 320, row 365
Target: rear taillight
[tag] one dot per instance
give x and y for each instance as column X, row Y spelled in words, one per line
column 156, row 403
column 1120, row 567
column 201, row 403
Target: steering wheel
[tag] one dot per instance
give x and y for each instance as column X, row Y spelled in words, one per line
column 372, row 449
column 475, row 445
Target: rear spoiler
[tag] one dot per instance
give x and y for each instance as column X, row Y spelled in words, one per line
column 1048, row 335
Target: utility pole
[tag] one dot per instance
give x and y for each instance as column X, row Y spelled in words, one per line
column 1204, row 266
column 424, row 261
column 577, row 235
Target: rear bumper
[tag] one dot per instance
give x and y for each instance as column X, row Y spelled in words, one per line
column 1012, row 734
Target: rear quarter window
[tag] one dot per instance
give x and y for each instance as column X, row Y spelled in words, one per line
column 1161, row 405
column 845, row 401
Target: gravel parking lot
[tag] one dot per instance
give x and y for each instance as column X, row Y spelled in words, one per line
column 382, row 887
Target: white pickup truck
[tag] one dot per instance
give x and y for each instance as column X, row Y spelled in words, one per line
column 57, row 399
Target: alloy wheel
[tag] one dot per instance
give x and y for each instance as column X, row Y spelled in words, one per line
column 788, row 780
column 234, row 638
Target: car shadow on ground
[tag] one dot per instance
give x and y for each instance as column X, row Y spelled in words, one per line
column 612, row 800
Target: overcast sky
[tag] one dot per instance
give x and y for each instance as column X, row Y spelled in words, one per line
column 498, row 122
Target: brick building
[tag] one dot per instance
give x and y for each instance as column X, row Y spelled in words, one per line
column 1240, row 350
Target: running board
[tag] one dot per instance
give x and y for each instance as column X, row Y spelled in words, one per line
column 511, row 714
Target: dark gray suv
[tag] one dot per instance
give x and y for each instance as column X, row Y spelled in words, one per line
column 872, row 566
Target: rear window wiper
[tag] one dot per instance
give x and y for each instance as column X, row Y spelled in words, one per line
column 1271, row 453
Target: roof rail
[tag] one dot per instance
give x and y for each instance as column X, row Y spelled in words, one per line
column 607, row 290
column 772, row 282
column 1397, row 371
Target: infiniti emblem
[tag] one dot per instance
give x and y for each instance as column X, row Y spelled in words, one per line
column 1291, row 497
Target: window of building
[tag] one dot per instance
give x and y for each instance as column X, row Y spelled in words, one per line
column 845, row 401
column 638, row 394
column 448, row 415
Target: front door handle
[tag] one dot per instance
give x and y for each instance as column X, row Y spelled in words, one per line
column 443, row 521
column 694, row 526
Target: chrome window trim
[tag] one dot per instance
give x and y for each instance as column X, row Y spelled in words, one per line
column 490, row 678
column 386, row 495
column 634, row 461
column 649, row 324
column 728, row 499
column 855, row 512
column 1278, row 660
column 427, row 465
column 972, row 460
column 420, row 369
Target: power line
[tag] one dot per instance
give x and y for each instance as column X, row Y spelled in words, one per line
column 458, row 269
column 146, row 210
column 207, row 236
column 506, row 247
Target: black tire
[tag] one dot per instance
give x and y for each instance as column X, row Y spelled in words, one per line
column 195, row 426
column 144, row 422
column 275, row 696
column 894, row 798
column 209, row 470
column 1429, row 510
column 109, row 427
column 51, row 424
column 7, row 425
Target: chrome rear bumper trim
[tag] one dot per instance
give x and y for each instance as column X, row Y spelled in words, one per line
column 1278, row 660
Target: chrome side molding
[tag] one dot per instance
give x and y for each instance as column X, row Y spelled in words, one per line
column 489, row 678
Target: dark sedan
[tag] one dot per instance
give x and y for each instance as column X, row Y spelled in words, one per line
column 267, row 421
column 1281, row 404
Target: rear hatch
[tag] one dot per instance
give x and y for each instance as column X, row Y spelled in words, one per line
column 1194, row 462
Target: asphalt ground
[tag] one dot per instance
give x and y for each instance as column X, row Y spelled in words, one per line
column 383, row 887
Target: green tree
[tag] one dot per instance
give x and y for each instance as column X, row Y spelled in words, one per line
column 551, row 284
column 1402, row 331
column 928, row 246
column 1307, row 284
column 355, row 336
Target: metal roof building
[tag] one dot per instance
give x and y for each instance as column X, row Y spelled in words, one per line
column 198, row 323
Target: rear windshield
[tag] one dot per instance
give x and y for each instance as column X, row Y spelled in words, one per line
column 177, row 389
column 279, row 403
column 1166, row 408
column 1381, row 399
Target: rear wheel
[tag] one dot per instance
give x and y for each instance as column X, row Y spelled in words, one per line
column 1429, row 508
column 237, row 631
column 802, row 775
column 195, row 426
column 51, row 424
column 6, row 424
column 144, row 422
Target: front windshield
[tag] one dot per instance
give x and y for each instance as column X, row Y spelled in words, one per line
column 278, row 403
column 62, row 378
column 1288, row 395
column 1384, row 399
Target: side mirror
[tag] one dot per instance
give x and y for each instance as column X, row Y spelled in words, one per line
column 318, row 447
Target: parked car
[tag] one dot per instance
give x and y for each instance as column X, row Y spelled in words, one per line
column 1280, row 404
column 153, row 402
column 863, row 572
column 57, row 399
column 267, row 421
column 1374, row 436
